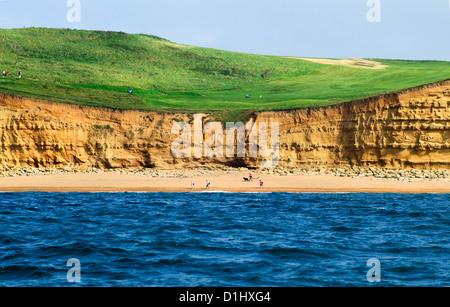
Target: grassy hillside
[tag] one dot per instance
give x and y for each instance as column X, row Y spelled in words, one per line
column 96, row 68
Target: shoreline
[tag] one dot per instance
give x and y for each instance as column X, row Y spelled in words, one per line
column 221, row 181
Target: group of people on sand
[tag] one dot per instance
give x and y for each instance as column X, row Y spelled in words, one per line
column 208, row 183
column 250, row 178
column 5, row 73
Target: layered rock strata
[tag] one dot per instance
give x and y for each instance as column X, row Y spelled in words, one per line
column 408, row 129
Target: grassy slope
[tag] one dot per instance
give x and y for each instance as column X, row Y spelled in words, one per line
column 96, row 68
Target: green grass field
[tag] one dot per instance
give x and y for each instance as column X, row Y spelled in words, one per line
column 96, row 68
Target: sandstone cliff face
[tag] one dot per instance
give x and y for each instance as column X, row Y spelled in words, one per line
column 44, row 134
column 409, row 129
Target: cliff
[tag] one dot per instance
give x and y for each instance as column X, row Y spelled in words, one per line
column 406, row 129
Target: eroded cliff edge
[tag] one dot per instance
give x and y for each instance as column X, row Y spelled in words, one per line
column 406, row 129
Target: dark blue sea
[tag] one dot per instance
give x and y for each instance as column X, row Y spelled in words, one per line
column 224, row 239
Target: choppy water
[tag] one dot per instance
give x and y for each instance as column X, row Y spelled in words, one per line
column 224, row 239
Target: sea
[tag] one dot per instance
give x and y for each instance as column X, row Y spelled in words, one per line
column 221, row 239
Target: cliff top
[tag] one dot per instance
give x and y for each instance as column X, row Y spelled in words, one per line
column 98, row 68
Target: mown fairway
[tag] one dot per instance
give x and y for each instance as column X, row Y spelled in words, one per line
column 97, row 68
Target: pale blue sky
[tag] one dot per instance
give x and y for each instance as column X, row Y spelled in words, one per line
column 409, row 29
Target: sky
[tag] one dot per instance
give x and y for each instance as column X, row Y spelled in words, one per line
column 400, row 29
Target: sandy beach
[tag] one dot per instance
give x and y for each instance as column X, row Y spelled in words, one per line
column 220, row 181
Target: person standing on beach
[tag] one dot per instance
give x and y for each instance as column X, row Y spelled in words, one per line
column 207, row 184
column 192, row 185
column 261, row 183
